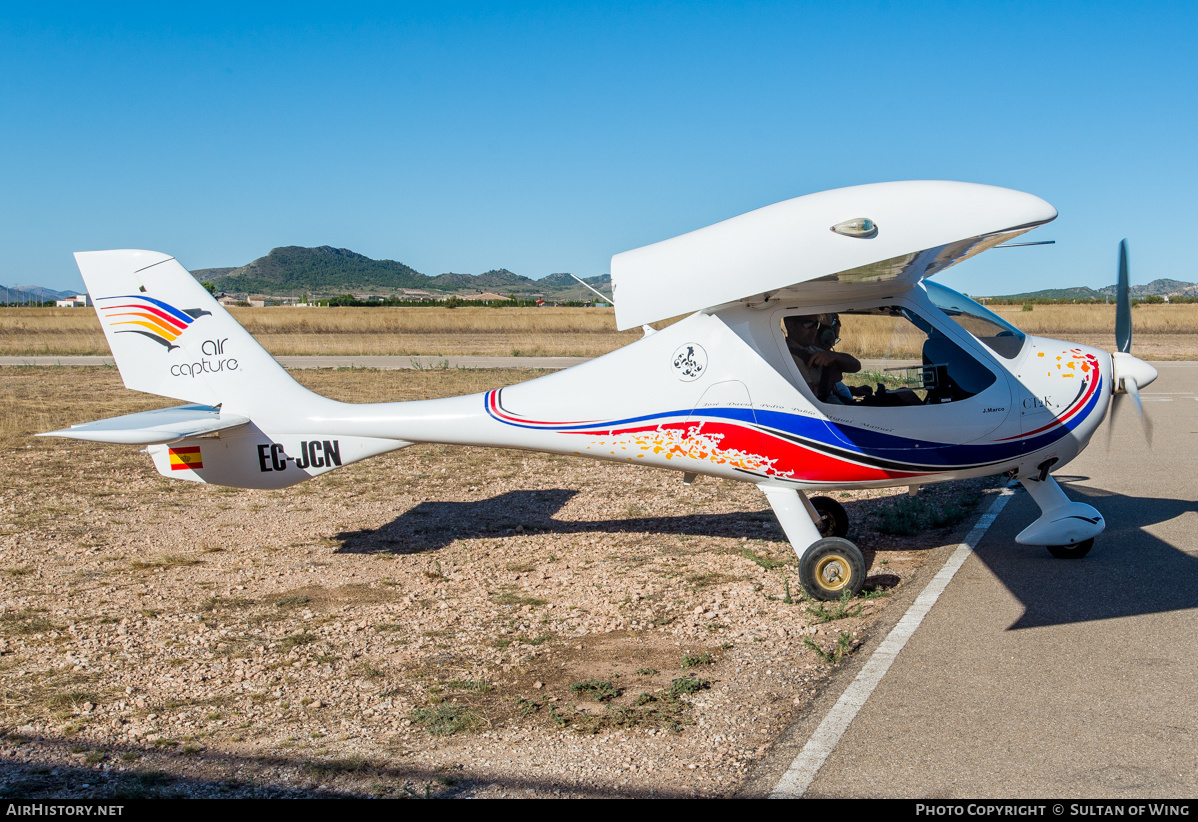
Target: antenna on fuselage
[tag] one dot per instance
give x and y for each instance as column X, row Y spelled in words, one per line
column 1016, row 245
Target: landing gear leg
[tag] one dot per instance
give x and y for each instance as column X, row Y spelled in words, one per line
column 1067, row 529
column 828, row 566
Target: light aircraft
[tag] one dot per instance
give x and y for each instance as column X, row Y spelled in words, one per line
column 733, row 390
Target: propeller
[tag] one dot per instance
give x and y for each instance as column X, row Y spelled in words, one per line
column 1130, row 374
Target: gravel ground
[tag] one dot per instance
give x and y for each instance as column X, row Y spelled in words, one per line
column 441, row 621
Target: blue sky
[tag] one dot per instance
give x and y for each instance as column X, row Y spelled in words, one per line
column 547, row 137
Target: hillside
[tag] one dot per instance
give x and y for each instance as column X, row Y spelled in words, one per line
column 205, row 275
column 1076, row 293
column 1162, row 287
column 324, row 269
column 500, row 280
column 327, row 271
column 31, row 293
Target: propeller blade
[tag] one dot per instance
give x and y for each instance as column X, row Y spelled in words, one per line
column 1128, row 375
column 1112, row 415
column 1133, row 390
column 1123, row 304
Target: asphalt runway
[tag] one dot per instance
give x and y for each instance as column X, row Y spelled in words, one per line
column 1033, row 677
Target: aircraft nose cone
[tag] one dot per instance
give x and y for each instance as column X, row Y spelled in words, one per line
column 1127, row 367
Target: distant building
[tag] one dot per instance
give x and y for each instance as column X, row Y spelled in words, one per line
column 485, row 296
column 415, row 294
column 78, row 301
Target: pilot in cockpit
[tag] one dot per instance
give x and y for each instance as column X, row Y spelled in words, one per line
column 809, row 339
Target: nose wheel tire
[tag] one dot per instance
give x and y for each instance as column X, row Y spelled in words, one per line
column 1076, row 551
column 830, row 567
column 833, row 520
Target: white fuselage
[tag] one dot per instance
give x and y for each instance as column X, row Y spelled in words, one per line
column 717, row 394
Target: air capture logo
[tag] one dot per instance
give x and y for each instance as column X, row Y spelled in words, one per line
column 153, row 319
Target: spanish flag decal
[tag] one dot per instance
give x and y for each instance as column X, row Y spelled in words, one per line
column 183, row 459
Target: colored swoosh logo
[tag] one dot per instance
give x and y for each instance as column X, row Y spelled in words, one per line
column 151, row 318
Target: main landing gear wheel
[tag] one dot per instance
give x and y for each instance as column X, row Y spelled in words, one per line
column 830, row 567
column 833, row 520
column 1076, row 551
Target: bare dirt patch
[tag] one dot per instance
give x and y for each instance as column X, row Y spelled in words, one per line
column 438, row 621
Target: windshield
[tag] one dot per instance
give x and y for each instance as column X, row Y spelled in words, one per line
column 996, row 333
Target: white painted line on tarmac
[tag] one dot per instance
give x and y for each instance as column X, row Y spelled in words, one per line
column 802, row 771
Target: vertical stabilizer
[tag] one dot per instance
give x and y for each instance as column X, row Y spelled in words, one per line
column 170, row 337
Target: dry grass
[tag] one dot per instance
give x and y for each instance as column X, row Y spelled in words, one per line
column 1162, row 332
column 38, row 399
column 565, row 332
column 877, row 338
column 33, row 331
column 34, row 399
column 1054, row 320
column 569, row 332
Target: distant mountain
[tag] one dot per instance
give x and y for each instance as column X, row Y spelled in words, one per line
column 1163, row 288
column 327, row 270
column 499, row 279
column 47, row 293
column 322, row 270
column 1076, row 293
column 206, row 275
column 31, row 293
column 1171, row 288
column 558, row 280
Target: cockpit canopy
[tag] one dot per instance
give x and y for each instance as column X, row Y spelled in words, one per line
column 857, row 243
column 992, row 330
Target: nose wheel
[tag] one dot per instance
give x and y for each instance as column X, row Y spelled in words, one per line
column 833, row 519
column 1076, row 551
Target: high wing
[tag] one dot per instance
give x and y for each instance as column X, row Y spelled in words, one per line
column 163, row 425
column 791, row 251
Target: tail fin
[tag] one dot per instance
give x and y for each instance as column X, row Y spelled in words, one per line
column 170, row 337
column 254, row 426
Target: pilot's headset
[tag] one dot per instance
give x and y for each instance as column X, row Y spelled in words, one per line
column 829, row 331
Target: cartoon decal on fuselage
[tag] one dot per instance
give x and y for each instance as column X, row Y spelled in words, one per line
column 756, row 384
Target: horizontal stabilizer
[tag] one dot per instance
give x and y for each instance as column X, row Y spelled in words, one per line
column 162, row 425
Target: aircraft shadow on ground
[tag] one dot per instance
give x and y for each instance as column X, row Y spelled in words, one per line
column 431, row 526
column 46, row 777
column 1129, row 572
